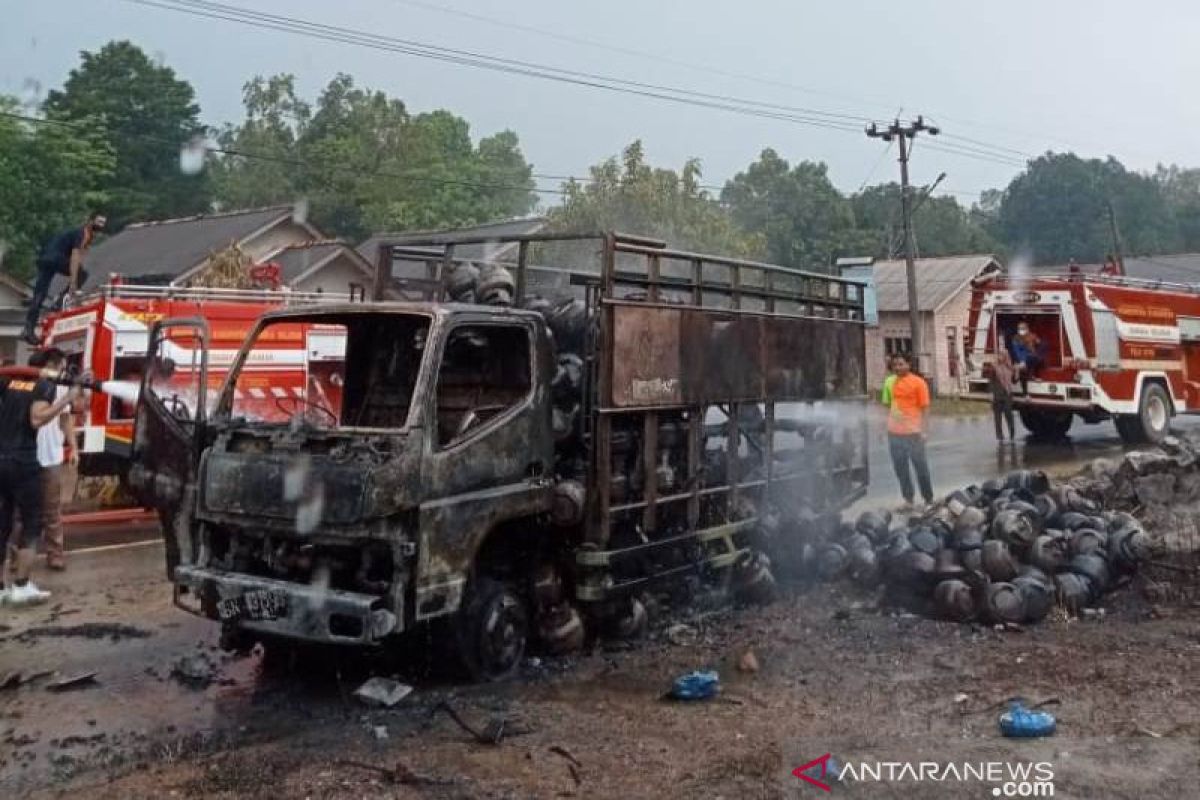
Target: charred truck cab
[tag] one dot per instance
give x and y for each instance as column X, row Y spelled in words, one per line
column 522, row 470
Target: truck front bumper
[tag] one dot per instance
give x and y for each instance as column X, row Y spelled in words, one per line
column 309, row 613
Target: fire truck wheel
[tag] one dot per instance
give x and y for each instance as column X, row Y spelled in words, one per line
column 1046, row 424
column 1153, row 420
column 492, row 630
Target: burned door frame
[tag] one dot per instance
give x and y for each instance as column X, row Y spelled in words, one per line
column 170, row 486
column 461, row 510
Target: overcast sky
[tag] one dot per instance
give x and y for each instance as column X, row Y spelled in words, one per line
column 1099, row 77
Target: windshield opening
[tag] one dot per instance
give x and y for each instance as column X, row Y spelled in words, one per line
column 328, row 371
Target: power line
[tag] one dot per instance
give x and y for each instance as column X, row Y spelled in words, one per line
column 295, row 26
column 629, row 51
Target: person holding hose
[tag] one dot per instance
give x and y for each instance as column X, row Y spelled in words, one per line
column 62, row 255
column 26, row 405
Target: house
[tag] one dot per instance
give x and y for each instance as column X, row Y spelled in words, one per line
column 415, row 268
column 174, row 251
column 943, row 297
column 14, row 299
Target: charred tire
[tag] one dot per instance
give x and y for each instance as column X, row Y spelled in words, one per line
column 492, row 631
column 1044, row 424
column 1153, row 420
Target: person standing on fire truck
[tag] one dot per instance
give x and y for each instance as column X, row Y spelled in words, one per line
column 25, row 406
column 906, row 430
column 62, row 255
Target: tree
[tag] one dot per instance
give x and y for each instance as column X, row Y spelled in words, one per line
column 1057, row 209
column 804, row 219
column 148, row 117
column 632, row 197
column 1180, row 188
column 941, row 227
column 51, row 177
column 365, row 164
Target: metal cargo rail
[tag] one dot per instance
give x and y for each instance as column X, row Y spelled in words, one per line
column 676, row 338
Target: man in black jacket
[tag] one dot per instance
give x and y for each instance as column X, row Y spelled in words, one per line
column 25, row 406
column 62, row 255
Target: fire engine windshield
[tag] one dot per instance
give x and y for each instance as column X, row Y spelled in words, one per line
column 327, row 371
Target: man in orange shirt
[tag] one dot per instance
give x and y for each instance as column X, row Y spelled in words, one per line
column 906, row 430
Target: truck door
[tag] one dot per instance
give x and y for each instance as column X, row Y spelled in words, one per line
column 169, row 428
column 491, row 450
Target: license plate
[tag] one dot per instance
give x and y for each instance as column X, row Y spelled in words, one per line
column 256, row 604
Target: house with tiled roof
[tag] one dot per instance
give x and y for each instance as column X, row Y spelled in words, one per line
column 175, row 251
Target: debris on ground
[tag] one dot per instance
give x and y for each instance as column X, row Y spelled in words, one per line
column 1020, row 722
column 382, row 692
column 681, row 634
column 380, row 732
column 399, row 774
column 573, row 763
column 87, row 630
column 697, row 685
column 195, row 670
column 748, row 662
column 72, row 682
column 492, row 733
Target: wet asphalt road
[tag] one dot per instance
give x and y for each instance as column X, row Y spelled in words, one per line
column 115, row 577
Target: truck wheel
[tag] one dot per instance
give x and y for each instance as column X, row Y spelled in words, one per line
column 492, row 631
column 1153, row 420
column 1044, row 424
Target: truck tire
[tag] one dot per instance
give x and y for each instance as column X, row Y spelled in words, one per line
column 1153, row 420
column 492, row 630
column 1044, row 424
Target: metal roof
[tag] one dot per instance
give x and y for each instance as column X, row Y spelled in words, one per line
column 938, row 280
column 166, row 249
column 1181, row 268
column 369, row 249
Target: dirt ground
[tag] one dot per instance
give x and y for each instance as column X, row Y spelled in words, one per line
column 831, row 665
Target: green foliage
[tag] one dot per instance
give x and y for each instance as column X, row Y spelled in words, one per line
column 941, row 226
column 1057, row 209
column 365, row 164
column 632, row 197
column 805, row 220
column 51, row 176
column 147, row 115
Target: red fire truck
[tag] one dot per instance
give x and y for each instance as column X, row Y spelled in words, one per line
column 1113, row 347
column 106, row 331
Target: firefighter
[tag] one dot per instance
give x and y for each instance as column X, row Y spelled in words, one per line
column 25, row 407
column 62, row 255
column 1027, row 353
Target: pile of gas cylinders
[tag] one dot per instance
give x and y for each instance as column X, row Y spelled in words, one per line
column 1005, row 551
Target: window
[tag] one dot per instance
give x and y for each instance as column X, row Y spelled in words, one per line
column 897, row 345
column 485, row 371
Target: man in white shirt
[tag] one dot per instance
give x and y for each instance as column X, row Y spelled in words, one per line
column 57, row 468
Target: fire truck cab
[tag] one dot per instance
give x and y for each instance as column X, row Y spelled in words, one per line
column 106, row 331
column 1110, row 347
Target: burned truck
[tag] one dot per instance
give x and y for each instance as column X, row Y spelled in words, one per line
column 541, row 435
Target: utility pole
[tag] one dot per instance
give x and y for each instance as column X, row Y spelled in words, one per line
column 904, row 133
column 1116, row 237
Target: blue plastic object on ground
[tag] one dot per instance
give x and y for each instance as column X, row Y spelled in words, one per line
column 1021, row 723
column 698, row 685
